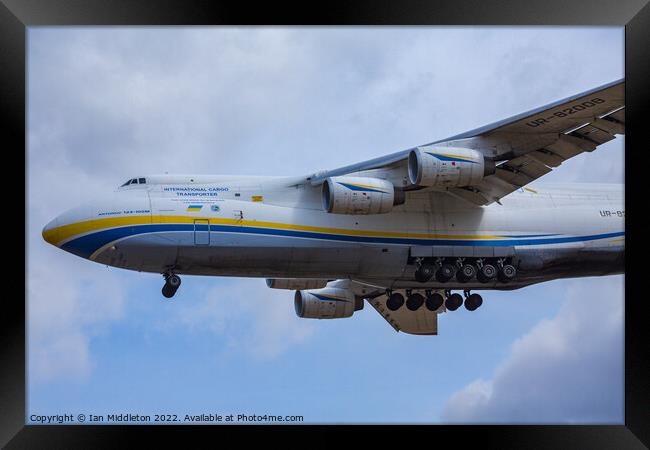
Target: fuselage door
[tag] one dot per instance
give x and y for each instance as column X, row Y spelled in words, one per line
column 201, row 232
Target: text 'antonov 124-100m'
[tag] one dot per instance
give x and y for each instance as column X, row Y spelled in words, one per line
column 415, row 233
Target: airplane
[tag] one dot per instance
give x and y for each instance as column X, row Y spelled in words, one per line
column 401, row 232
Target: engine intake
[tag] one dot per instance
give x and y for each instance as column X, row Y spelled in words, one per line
column 360, row 195
column 448, row 167
column 327, row 303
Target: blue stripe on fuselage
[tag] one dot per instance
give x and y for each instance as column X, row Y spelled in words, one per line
column 85, row 246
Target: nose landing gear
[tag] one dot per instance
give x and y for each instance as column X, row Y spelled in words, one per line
column 172, row 283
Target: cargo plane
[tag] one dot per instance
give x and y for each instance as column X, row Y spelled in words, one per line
column 414, row 234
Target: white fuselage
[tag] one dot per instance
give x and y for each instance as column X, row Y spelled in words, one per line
column 276, row 227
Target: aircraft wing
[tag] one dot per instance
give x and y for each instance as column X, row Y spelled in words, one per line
column 524, row 147
column 421, row 321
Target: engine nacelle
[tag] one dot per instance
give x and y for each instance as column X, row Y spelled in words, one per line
column 295, row 283
column 448, row 167
column 360, row 195
column 327, row 303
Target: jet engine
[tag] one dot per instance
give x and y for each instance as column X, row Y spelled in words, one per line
column 448, row 167
column 360, row 195
column 326, row 303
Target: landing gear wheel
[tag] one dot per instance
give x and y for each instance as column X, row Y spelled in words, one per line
column 424, row 273
column 414, row 302
column 445, row 273
column 167, row 292
column 486, row 273
column 507, row 273
column 466, row 273
column 473, row 302
column 172, row 283
column 395, row 301
column 434, row 301
column 453, row 302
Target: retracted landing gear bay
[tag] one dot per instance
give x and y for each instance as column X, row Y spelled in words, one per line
column 172, row 283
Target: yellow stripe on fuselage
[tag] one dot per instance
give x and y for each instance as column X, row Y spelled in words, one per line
column 66, row 232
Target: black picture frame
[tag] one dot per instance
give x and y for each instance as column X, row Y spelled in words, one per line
column 16, row 15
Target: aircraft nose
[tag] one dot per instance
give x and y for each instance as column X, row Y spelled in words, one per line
column 51, row 232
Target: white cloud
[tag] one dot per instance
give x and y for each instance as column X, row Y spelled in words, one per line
column 568, row 369
column 108, row 104
column 253, row 318
column 67, row 304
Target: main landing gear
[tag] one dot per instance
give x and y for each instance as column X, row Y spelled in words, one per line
column 172, row 283
column 432, row 300
column 464, row 270
column 453, row 302
column 472, row 301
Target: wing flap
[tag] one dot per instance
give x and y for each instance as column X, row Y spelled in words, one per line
column 593, row 134
column 619, row 116
column 513, row 176
column 546, row 157
column 611, row 126
column 565, row 147
column 421, row 321
column 526, row 165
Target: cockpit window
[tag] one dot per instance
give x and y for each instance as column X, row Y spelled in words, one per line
column 135, row 181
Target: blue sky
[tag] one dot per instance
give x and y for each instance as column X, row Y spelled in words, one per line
column 112, row 103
